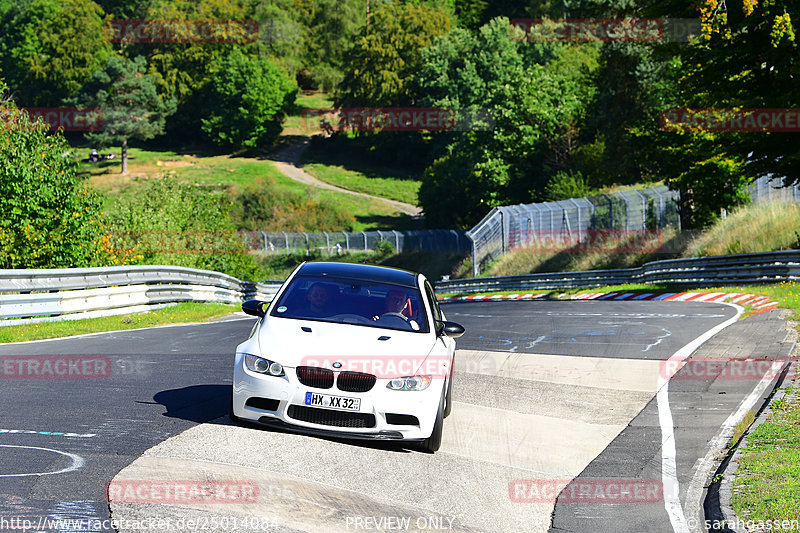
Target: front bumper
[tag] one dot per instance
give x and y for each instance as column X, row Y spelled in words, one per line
column 287, row 392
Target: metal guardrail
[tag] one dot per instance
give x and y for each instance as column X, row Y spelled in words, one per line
column 767, row 267
column 68, row 293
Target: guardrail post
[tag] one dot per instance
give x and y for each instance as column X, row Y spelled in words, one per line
column 578, row 209
column 503, row 233
column 475, row 267
column 610, row 212
column 644, row 208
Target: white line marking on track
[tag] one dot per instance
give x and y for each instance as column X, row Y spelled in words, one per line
column 77, row 461
column 669, row 474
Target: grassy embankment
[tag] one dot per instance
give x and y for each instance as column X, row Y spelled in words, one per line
column 754, row 228
column 180, row 313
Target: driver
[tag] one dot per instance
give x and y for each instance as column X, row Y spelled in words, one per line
column 317, row 299
column 396, row 302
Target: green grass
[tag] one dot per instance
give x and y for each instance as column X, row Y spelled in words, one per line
column 753, row 228
column 353, row 180
column 786, row 294
column 176, row 314
column 608, row 253
column 296, row 123
column 233, row 173
column 345, row 163
column 767, row 482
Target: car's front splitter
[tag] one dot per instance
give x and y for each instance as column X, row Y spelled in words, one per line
column 380, row 435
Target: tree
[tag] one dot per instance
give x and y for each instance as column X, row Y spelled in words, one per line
column 537, row 96
column 248, row 99
column 129, row 105
column 49, row 47
column 383, row 62
column 184, row 68
column 283, row 33
column 747, row 57
column 50, row 218
column 333, row 27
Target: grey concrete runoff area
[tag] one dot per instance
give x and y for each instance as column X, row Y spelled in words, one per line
column 551, row 397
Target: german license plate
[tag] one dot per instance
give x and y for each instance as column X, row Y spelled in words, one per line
column 333, row 402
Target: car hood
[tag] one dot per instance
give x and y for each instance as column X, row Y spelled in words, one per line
column 283, row 340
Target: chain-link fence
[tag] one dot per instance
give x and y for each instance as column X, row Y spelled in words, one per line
column 338, row 242
column 505, row 228
column 508, row 227
column 769, row 189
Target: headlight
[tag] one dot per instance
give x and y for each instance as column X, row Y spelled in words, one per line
column 262, row 366
column 409, row 383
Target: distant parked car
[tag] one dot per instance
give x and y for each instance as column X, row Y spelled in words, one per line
column 349, row 350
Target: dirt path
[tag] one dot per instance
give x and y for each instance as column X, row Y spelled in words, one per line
column 288, row 162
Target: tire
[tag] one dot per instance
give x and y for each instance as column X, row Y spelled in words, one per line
column 448, row 405
column 432, row 443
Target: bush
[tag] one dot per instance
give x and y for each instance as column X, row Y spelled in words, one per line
column 50, row 218
column 566, row 185
column 265, row 207
column 174, row 223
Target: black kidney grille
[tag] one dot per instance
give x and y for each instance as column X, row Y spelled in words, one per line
column 329, row 417
column 355, row 381
column 312, row 376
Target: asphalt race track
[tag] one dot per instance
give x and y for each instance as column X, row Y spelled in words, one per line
column 548, row 395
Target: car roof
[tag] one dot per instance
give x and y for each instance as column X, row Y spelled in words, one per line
column 394, row 276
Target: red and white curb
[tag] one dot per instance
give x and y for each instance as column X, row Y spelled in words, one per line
column 753, row 300
column 492, row 297
column 763, row 303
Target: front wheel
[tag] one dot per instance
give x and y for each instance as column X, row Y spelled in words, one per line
column 432, row 443
column 448, row 407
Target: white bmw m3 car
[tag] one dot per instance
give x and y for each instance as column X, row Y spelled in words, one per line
column 349, row 350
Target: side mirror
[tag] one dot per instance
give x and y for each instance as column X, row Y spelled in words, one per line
column 451, row 329
column 254, row 307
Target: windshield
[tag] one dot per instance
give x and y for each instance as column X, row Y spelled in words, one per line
column 349, row 301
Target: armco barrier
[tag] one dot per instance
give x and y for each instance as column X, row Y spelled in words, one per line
column 67, row 293
column 767, row 267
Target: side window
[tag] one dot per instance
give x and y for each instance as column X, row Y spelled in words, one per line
column 437, row 314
